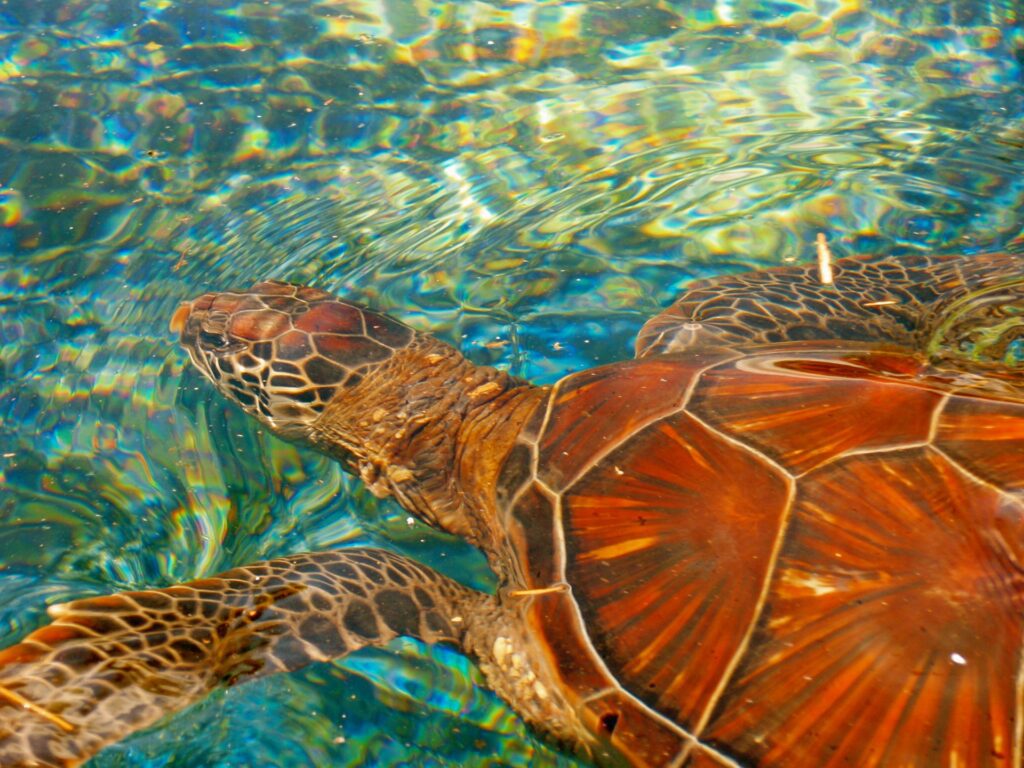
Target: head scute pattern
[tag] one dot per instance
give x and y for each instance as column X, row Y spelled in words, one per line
column 283, row 351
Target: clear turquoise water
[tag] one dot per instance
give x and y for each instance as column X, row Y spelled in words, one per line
column 530, row 179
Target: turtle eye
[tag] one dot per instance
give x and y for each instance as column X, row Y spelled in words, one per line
column 213, row 330
column 212, row 340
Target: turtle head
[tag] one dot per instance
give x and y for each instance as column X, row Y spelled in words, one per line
column 402, row 410
column 283, row 352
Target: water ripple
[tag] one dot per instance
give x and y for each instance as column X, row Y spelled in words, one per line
column 530, row 180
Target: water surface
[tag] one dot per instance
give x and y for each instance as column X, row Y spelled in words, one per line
column 532, row 180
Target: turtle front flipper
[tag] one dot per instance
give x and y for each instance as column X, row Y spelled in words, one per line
column 944, row 306
column 109, row 666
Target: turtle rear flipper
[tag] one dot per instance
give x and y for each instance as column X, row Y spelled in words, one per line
column 943, row 306
column 109, row 666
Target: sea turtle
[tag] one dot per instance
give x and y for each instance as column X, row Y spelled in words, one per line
column 789, row 533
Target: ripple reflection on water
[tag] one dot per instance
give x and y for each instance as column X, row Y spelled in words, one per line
column 531, row 180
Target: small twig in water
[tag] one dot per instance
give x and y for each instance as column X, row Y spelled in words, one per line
column 824, row 259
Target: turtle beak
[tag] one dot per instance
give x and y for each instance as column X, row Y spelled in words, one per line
column 181, row 317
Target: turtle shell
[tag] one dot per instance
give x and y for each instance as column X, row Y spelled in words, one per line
column 803, row 555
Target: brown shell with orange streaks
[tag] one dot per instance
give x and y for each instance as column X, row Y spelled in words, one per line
column 800, row 555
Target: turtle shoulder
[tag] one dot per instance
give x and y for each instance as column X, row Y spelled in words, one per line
column 751, row 556
column 914, row 302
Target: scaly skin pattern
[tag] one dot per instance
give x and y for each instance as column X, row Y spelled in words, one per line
column 398, row 408
column 108, row 666
column 903, row 302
